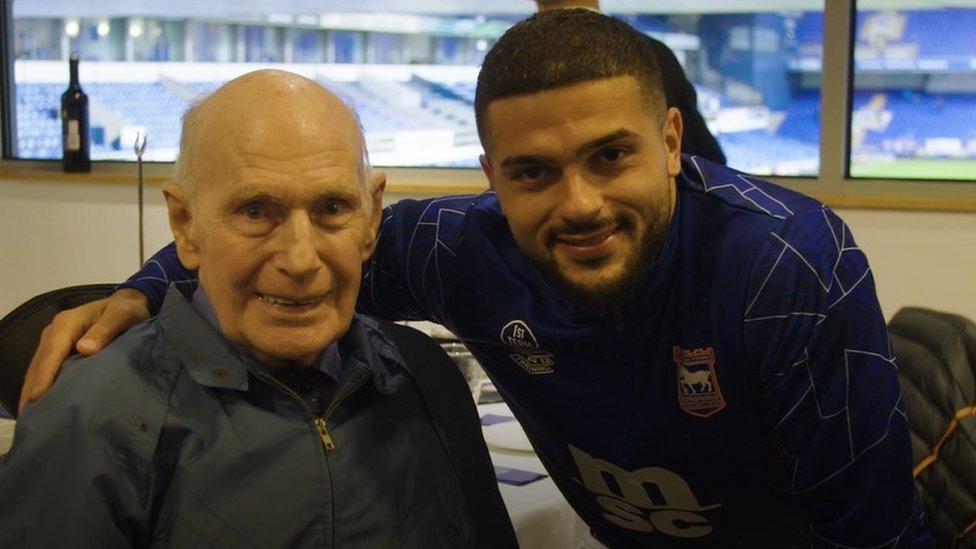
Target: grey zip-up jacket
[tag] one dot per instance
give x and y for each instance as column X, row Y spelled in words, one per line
column 168, row 438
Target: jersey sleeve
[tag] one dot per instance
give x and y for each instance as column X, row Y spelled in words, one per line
column 156, row 275
column 411, row 272
column 829, row 386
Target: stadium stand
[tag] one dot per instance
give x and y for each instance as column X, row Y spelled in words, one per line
column 914, row 123
column 436, row 107
column 937, row 32
column 38, row 120
column 809, row 29
column 149, row 107
column 760, row 151
column 802, row 120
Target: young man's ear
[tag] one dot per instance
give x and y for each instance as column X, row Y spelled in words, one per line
column 673, row 130
column 375, row 188
column 486, row 168
column 181, row 224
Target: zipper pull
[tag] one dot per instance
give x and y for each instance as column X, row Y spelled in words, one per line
column 323, row 432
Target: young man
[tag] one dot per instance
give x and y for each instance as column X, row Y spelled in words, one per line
column 256, row 410
column 696, row 355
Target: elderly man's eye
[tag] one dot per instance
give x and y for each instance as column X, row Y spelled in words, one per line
column 254, row 211
column 334, row 207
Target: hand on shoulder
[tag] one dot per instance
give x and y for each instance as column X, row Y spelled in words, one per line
column 87, row 328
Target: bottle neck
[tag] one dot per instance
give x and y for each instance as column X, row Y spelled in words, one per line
column 73, row 64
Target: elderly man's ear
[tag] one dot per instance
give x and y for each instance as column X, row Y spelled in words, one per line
column 181, row 223
column 376, row 186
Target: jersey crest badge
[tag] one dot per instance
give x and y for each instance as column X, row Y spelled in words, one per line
column 517, row 336
column 698, row 391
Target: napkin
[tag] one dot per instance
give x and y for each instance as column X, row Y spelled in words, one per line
column 491, row 419
column 516, row 477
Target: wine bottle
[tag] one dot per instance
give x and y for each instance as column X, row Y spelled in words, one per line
column 75, row 147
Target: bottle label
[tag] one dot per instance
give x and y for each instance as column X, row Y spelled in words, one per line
column 72, row 140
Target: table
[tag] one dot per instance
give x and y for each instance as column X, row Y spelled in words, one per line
column 6, row 434
column 540, row 514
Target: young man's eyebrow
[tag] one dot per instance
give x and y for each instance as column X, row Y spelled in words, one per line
column 535, row 160
column 527, row 160
column 606, row 139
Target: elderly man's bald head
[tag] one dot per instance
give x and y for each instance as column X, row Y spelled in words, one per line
column 261, row 107
column 269, row 207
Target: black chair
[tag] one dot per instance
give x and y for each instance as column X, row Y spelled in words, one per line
column 458, row 423
column 21, row 330
column 936, row 355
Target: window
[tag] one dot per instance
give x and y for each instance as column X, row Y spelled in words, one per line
column 757, row 71
column 758, row 80
column 914, row 102
column 410, row 75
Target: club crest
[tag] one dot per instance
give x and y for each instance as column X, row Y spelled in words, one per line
column 517, row 336
column 698, row 391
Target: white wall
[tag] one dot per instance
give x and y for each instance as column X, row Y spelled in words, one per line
column 55, row 234
column 919, row 258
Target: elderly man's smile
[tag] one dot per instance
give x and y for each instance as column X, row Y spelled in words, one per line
column 289, row 304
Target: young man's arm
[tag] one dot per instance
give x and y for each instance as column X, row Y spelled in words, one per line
column 154, row 278
column 410, row 273
column 830, row 386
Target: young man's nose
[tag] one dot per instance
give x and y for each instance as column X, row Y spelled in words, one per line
column 582, row 199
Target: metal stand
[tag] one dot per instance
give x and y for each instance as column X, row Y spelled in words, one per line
column 140, row 148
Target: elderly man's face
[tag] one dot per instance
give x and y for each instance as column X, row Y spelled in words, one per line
column 280, row 229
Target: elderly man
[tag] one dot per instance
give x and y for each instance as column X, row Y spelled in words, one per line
column 256, row 410
column 698, row 356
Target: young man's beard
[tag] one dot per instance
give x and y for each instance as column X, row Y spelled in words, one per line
column 613, row 294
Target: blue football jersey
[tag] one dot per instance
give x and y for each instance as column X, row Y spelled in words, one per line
column 747, row 395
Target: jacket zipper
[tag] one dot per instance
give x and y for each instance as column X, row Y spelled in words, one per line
column 319, row 422
column 321, row 427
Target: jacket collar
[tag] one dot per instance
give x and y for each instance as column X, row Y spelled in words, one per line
column 213, row 361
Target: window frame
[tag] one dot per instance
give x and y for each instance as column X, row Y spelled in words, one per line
column 833, row 185
column 8, row 126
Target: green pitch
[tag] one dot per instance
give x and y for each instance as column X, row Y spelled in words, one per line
column 916, row 168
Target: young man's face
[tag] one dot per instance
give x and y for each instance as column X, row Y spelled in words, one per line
column 585, row 175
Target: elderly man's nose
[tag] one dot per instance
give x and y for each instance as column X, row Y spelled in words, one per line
column 299, row 256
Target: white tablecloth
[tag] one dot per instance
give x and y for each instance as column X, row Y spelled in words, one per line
column 6, row 434
column 541, row 515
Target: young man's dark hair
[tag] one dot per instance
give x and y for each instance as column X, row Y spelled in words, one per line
column 560, row 48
